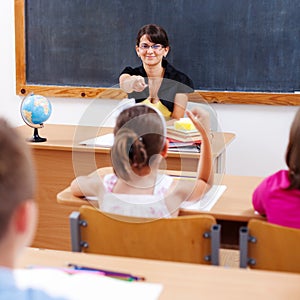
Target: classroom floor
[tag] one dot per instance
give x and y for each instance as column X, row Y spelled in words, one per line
column 230, row 258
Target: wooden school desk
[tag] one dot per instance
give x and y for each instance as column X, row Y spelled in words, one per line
column 60, row 159
column 232, row 210
column 181, row 280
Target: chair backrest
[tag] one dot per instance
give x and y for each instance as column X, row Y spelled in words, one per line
column 270, row 247
column 194, row 239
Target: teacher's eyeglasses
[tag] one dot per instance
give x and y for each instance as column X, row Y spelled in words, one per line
column 155, row 47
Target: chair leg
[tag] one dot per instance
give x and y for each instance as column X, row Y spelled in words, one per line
column 75, row 231
column 215, row 244
column 243, row 236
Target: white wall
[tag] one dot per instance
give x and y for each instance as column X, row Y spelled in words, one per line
column 261, row 137
column 261, row 131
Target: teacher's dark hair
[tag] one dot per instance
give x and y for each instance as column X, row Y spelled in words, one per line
column 155, row 34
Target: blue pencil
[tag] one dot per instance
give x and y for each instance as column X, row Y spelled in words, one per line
column 119, row 275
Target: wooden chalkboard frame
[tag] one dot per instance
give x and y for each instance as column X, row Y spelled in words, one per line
column 22, row 88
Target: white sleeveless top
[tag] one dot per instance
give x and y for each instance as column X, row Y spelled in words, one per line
column 144, row 206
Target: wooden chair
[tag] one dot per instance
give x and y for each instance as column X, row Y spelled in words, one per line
column 270, row 247
column 193, row 239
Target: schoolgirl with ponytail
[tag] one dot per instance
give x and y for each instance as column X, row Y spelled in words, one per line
column 138, row 186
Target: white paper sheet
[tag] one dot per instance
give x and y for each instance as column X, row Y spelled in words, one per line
column 105, row 141
column 208, row 201
column 85, row 286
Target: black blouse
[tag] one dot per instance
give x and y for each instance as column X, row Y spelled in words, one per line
column 174, row 82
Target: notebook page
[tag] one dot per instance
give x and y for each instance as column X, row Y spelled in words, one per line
column 208, row 201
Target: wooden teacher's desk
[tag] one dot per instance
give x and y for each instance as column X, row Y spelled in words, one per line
column 60, row 159
column 181, row 280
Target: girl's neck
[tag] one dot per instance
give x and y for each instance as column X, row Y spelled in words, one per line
column 142, row 182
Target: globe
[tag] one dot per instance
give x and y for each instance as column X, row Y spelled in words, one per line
column 35, row 110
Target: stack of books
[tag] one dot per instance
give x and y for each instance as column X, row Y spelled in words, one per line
column 183, row 140
column 183, row 135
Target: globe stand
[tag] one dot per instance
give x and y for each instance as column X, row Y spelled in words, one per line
column 36, row 138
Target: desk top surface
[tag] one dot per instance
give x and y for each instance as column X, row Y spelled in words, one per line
column 235, row 203
column 68, row 137
column 181, row 280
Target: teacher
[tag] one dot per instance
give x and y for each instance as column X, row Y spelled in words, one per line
column 156, row 82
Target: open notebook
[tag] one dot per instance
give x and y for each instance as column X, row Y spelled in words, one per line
column 80, row 286
column 208, row 201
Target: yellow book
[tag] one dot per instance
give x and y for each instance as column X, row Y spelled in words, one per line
column 184, row 124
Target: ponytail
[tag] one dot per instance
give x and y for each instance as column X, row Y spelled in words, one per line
column 128, row 151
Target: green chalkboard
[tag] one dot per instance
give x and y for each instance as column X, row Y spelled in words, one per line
column 223, row 45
